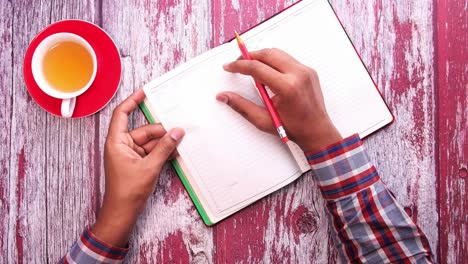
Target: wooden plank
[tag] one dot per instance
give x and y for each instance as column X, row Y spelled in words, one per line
column 51, row 173
column 290, row 225
column 153, row 37
column 6, row 84
column 452, row 54
column 395, row 40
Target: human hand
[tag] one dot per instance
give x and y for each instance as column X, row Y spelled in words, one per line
column 132, row 163
column 298, row 98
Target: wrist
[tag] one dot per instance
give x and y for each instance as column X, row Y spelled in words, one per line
column 114, row 225
column 323, row 134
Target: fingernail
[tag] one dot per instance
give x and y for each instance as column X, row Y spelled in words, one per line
column 226, row 66
column 222, row 98
column 176, row 134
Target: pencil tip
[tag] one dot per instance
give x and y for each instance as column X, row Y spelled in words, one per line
column 239, row 40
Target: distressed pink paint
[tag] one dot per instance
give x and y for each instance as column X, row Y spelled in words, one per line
column 19, row 192
column 452, row 54
column 240, row 236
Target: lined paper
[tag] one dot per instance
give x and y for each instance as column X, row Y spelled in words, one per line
column 228, row 157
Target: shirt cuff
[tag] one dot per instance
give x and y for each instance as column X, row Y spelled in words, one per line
column 90, row 248
column 343, row 168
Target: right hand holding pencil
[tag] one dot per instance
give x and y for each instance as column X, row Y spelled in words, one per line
column 298, row 98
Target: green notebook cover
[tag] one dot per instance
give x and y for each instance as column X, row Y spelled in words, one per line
column 181, row 174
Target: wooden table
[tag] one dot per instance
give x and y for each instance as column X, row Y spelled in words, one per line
column 52, row 180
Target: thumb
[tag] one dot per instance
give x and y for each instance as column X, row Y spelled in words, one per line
column 253, row 113
column 165, row 147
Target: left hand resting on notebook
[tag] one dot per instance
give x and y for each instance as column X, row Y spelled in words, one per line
column 132, row 163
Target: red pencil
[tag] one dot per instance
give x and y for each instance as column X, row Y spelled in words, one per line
column 293, row 147
column 263, row 93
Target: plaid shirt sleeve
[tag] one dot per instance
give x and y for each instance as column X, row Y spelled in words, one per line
column 368, row 223
column 89, row 249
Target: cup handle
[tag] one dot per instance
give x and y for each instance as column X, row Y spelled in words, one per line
column 68, row 105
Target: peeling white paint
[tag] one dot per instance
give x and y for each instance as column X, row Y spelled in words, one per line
column 235, row 5
column 280, row 237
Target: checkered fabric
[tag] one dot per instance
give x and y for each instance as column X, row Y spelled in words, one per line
column 89, row 249
column 369, row 226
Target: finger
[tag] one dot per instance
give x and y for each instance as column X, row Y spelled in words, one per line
column 276, row 58
column 166, row 146
column 260, row 72
column 119, row 120
column 148, row 147
column 146, row 133
column 139, row 150
column 255, row 114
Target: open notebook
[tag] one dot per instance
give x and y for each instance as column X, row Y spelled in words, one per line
column 225, row 163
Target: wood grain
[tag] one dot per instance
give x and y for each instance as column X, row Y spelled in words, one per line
column 6, row 91
column 452, row 55
column 52, row 182
column 51, row 197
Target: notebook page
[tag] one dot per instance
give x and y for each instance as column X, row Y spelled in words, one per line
column 311, row 33
column 229, row 159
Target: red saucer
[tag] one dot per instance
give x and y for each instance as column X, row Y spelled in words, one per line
column 108, row 73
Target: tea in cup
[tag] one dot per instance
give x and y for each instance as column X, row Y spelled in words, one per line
column 64, row 66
